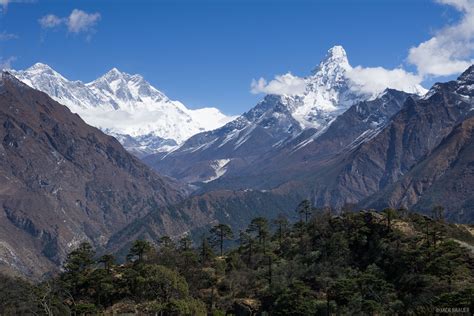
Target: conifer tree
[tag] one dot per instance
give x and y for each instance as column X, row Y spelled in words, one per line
column 138, row 250
column 219, row 234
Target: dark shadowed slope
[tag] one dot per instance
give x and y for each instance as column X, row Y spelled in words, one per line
column 412, row 135
column 235, row 208
column 63, row 182
column 446, row 177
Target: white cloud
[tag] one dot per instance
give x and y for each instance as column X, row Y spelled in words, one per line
column 377, row 79
column 77, row 22
column 451, row 49
column 370, row 81
column 80, row 21
column 4, row 36
column 50, row 21
column 448, row 52
column 282, row 84
column 7, row 62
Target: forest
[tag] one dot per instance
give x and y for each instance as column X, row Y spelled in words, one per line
column 364, row 262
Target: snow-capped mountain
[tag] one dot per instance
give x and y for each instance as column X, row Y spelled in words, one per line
column 277, row 124
column 330, row 92
column 327, row 92
column 126, row 105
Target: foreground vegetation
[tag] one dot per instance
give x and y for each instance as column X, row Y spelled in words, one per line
column 357, row 263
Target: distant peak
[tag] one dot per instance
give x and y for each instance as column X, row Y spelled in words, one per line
column 336, row 52
column 137, row 77
column 111, row 75
column 113, row 72
column 467, row 75
column 335, row 57
column 40, row 67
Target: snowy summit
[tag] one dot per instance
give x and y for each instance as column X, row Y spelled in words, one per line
column 125, row 106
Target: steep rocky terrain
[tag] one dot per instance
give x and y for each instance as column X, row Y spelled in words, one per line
column 277, row 124
column 414, row 140
column 63, row 182
column 236, row 144
column 311, row 149
column 396, row 150
column 446, row 177
column 235, row 208
column 284, row 131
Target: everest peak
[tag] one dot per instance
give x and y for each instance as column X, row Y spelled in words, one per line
column 125, row 104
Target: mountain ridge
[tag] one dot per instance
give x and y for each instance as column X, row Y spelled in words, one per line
column 64, row 182
column 273, row 123
column 124, row 104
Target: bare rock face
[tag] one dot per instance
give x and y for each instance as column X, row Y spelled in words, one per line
column 63, row 182
column 445, row 177
column 412, row 141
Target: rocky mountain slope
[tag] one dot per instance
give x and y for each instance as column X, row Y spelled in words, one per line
column 397, row 150
column 236, row 208
column 444, row 177
column 409, row 162
column 311, row 150
column 64, row 182
column 126, row 106
column 271, row 123
column 280, row 126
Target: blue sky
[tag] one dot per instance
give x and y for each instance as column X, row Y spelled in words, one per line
column 206, row 53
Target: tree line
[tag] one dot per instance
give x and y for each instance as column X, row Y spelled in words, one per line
column 358, row 263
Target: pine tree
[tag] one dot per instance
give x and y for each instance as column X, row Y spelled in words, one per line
column 76, row 267
column 108, row 260
column 205, row 250
column 219, row 234
column 438, row 212
column 304, row 209
column 138, row 250
column 259, row 225
column 166, row 242
column 185, row 243
column 282, row 226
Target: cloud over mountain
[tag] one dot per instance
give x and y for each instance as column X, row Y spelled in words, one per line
column 282, row 84
column 376, row 79
column 450, row 51
column 367, row 81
